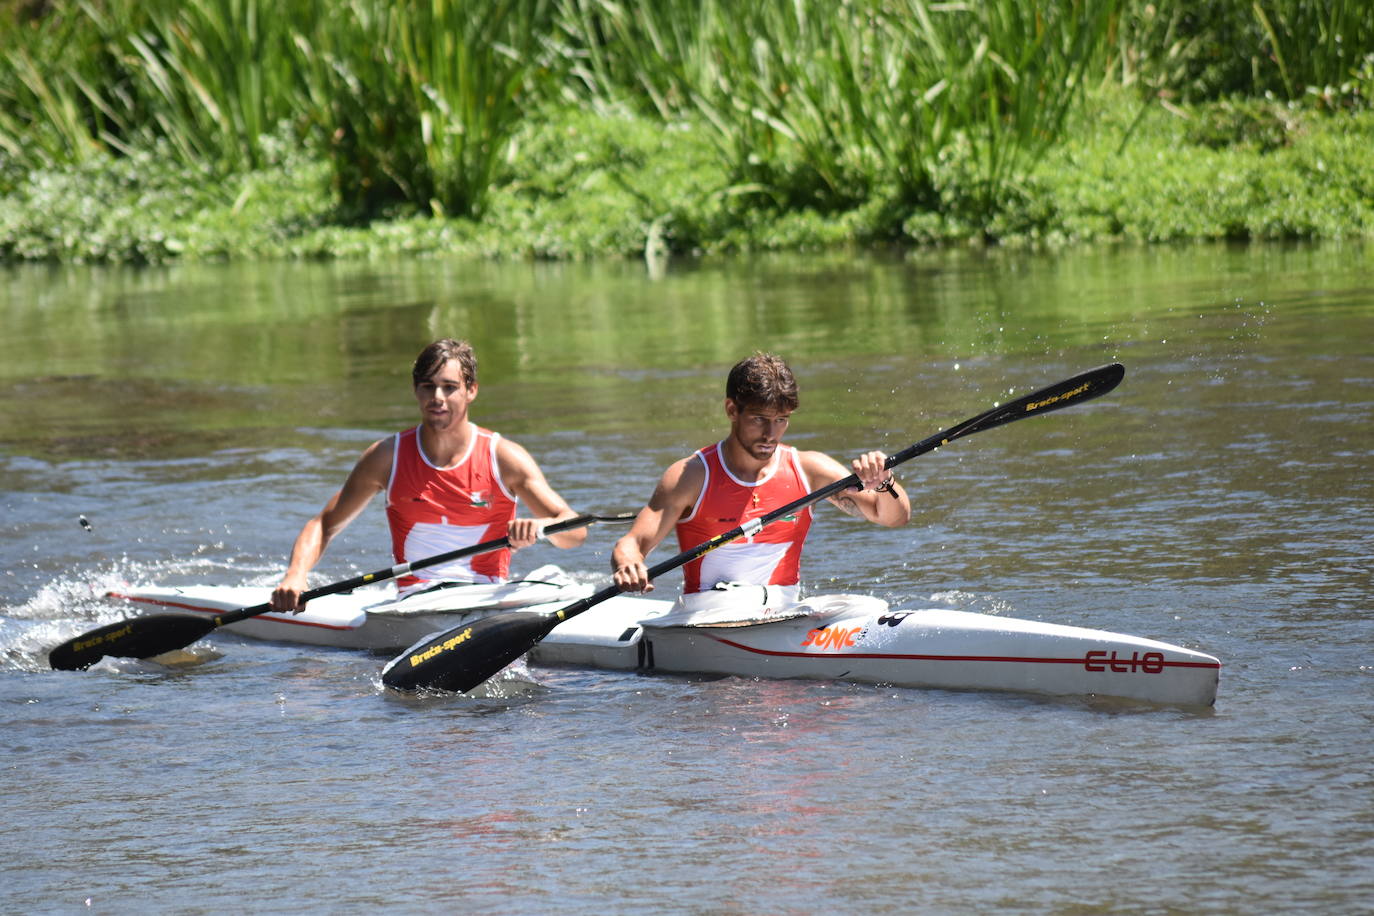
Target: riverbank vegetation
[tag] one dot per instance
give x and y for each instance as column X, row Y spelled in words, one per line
column 152, row 130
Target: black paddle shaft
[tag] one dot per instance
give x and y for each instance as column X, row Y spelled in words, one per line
column 461, row 658
column 144, row 637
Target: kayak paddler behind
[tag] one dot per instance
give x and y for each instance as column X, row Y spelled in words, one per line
column 449, row 484
column 745, row 476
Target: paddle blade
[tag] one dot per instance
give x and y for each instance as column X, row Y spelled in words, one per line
column 1083, row 387
column 138, row 637
column 463, row 657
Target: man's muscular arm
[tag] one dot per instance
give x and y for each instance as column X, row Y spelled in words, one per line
column 673, row 498
column 367, row 479
column 522, row 476
column 871, row 503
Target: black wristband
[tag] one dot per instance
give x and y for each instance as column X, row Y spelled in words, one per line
column 888, row 486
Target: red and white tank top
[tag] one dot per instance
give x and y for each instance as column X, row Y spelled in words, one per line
column 770, row 557
column 434, row 510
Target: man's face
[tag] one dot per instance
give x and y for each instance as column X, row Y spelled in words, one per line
column 444, row 396
column 757, row 429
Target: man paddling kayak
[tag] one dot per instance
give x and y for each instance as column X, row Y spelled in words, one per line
column 744, row 476
column 449, row 483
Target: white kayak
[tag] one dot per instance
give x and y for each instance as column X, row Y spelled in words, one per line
column 373, row 617
column 860, row 638
column 832, row 637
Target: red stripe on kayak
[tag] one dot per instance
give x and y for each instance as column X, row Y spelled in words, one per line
column 201, row 610
column 942, row 658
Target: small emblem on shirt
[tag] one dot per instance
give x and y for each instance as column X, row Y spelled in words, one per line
column 479, row 500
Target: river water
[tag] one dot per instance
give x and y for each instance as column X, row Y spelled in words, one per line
column 1220, row 499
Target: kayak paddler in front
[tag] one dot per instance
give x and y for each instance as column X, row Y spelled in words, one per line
column 449, row 483
column 745, row 476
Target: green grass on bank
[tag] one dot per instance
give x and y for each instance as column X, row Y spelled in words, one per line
column 585, row 183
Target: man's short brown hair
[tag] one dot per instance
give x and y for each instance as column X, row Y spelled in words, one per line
column 762, row 381
column 432, row 357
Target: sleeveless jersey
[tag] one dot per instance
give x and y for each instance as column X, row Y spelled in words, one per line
column 434, row 510
column 770, row 557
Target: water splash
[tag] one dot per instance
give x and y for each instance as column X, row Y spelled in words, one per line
column 960, row 600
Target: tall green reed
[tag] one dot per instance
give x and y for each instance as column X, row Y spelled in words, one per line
column 828, row 102
column 413, row 101
column 353, row 111
column 474, row 72
column 1316, row 45
column 207, row 78
column 1252, row 48
column 640, row 53
column 217, row 76
column 417, row 100
column 58, row 102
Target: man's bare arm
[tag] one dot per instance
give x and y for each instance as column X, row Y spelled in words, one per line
column 366, row 480
column 876, row 502
column 673, row 497
column 522, row 476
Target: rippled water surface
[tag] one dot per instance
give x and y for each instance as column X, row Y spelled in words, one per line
column 1221, row 499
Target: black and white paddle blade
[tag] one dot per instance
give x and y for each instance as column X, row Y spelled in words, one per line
column 137, row 637
column 1082, row 387
column 463, row 657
